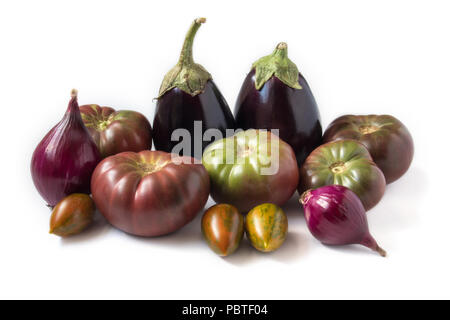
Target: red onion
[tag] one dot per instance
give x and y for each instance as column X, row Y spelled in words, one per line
column 64, row 160
column 335, row 216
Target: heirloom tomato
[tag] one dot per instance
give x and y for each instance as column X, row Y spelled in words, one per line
column 223, row 228
column 389, row 142
column 347, row 163
column 266, row 227
column 149, row 193
column 250, row 168
column 117, row 131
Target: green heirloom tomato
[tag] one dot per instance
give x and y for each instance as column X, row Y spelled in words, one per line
column 223, row 228
column 266, row 226
column 347, row 163
column 251, row 167
column 389, row 142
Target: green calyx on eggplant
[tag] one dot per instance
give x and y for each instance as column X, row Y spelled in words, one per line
column 187, row 75
column 275, row 95
column 188, row 95
column 279, row 65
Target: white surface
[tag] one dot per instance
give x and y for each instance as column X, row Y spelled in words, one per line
column 358, row 56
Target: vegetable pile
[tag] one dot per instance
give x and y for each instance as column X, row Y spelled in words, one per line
column 251, row 172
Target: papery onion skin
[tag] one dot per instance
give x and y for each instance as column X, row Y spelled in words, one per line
column 335, row 216
column 64, row 160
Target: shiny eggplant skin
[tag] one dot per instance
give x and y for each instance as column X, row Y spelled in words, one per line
column 277, row 106
column 116, row 131
column 150, row 193
column 223, row 228
column 177, row 109
column 347, row 163
column 389, row 142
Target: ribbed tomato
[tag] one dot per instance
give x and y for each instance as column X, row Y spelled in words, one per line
column 149, row 193
column 389, row 142
column 117, row 131
column 347, row 163
column 250, row 168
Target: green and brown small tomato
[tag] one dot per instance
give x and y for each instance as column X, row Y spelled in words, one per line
column 266, row 226
column 72, row 215
column 223, row 228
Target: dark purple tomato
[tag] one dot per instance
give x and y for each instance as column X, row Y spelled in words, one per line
column 389, row 142
column 117, row 131
column 277, row 105
column 149, row 193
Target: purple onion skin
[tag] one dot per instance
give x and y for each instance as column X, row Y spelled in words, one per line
column 65, row 159
column 335, row 216
column 277, row 106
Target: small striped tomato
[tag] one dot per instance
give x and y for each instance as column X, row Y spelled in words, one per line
column 223, row 228
column 266, row 226
column 72, row 215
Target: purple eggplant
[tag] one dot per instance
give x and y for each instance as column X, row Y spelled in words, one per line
column 276, row 96
column 189, row 99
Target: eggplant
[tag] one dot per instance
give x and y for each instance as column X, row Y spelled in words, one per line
column 275, row 95
column 188, row 95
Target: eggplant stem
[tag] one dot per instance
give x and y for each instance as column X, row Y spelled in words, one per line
column 279, row 65
column 282, row 45
column 187, row 75
column 281, row 51
column 186, row 56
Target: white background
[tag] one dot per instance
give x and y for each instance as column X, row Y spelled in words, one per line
column 358, row 56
